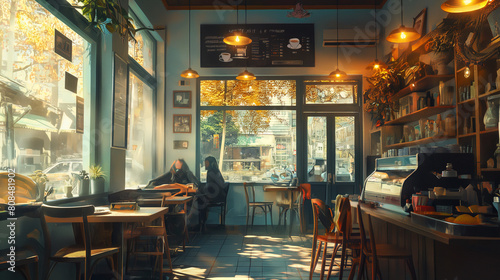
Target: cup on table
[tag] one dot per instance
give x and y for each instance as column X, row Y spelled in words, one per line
column 294, row 42
column 419, row 200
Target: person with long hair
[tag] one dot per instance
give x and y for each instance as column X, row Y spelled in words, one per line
column 179, row 173
column 213, row 191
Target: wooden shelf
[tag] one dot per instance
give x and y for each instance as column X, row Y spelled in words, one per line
column 425, row 83
column 466, row 101
column 376, row 129
column 467, row 135
column 491, row 92
column 462, row 69
column 490, row 169
column 422, row 113
column 491, row 130
column 419, row 142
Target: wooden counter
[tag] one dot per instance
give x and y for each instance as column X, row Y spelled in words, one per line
column 436, row 255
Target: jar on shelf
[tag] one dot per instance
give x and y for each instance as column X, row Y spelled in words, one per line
column 490, row 119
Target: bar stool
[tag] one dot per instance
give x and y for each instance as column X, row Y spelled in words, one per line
column 371, row 252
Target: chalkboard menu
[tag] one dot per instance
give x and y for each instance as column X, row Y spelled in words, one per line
column 273, row 45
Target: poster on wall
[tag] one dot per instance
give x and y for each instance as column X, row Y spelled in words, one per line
column 120, row 103
column 273, row 45
column 63, row 46
column 79, row 114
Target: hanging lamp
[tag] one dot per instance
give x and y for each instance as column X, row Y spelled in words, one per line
column 189, row 73
column 376, row 64
column 463, row 6
column 337, row 74
column 403, row 34
column 246, row 75
column 237, row 38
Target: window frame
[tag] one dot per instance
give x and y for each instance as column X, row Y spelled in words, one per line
column 300, row 107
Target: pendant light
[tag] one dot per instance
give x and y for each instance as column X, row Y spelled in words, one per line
column 246, row 75
column 189, row 73
column 237, row 38
column 463, row 6
column 376, row 64
column 337, row 74
column 403, row 34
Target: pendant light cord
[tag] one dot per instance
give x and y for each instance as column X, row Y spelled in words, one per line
column 189, row 35
column 402, row 12
column 338, row 46
column 246, row 60
column 376, row 29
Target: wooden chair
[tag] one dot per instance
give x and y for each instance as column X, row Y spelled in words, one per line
column 265, row 206
column 175, row 212
column 222, row 205
column 340, row 236
column 304, row 192
column 78, row 253
column 23, row 259
column 371, row 252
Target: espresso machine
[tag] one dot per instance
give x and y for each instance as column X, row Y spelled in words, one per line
column 396, row 179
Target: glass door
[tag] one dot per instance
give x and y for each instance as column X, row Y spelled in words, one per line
column 331, row 153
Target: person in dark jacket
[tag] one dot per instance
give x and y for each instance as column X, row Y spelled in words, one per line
column 213, row 191
column 179, row 173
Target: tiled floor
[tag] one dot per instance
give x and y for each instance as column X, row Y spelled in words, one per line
column 231, row 254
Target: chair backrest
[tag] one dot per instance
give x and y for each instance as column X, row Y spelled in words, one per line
column 305, row 188
column 362, row 231
column 78, row 214
column 249, row 187
column 226, row 189
column 322, row 213
column 343, row 219
column 26, row 189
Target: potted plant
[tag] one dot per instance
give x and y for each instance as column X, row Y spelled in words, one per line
column 440, row 48
column 96, row 179
column 40, row 180
column 83, row 176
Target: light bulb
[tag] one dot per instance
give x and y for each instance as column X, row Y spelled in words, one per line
column 467, row 72
column 403, row 35
column 246, row 76
column 376, row 66
column 337, row 75
column 189, row 74
column 237, row 38
column 467, row 2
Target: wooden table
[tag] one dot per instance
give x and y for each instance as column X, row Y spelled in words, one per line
column 145, row 214
column 289, row 190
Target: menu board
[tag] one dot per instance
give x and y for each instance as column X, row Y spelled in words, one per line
column 273, row 45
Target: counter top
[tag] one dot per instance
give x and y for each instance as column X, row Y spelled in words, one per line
column 405, row 222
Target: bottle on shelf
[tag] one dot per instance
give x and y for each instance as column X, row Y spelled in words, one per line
column 429, row 100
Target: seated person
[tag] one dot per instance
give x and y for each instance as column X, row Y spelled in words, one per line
column 179, row 174
column 213, row 191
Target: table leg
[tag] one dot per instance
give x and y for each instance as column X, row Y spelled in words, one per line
column 290, row 195
column 118, row 235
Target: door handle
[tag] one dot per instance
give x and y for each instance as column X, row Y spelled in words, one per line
column 331, row 178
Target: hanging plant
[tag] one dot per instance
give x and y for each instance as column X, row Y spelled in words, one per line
column 383, row 85
column 109, row 16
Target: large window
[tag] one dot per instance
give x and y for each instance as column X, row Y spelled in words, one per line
column 250, row 141
column 142, row 49
column 43, row 90
column 139, row 152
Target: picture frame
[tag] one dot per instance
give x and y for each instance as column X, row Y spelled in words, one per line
column 63, row 46
column 420, row 22
column 494, row 22
column 120, row 103
column 182, row 123
column 182, row 99
column 180, row 144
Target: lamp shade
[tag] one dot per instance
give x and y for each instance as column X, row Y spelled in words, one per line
column 190, row 74
column 376, row 65
column 463, row 6
column 246, row 76
column 337, row 74
column 237, row 38
column 403, row 34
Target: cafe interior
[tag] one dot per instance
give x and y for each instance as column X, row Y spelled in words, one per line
column 249, row 139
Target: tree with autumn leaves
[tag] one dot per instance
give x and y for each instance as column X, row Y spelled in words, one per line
column 239, row 94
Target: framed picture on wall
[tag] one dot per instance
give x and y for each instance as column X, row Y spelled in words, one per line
column 120, row 103
column 182, row 123
column 419, row 22
column 182, row 99
column 63, row 46
column 180, row 144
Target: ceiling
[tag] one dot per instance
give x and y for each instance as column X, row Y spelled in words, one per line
column 270, row 4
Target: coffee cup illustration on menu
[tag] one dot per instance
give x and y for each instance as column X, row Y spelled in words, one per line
column 225, row 57
column 294, row 44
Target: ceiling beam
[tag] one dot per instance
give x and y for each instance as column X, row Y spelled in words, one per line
column 270, row 6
